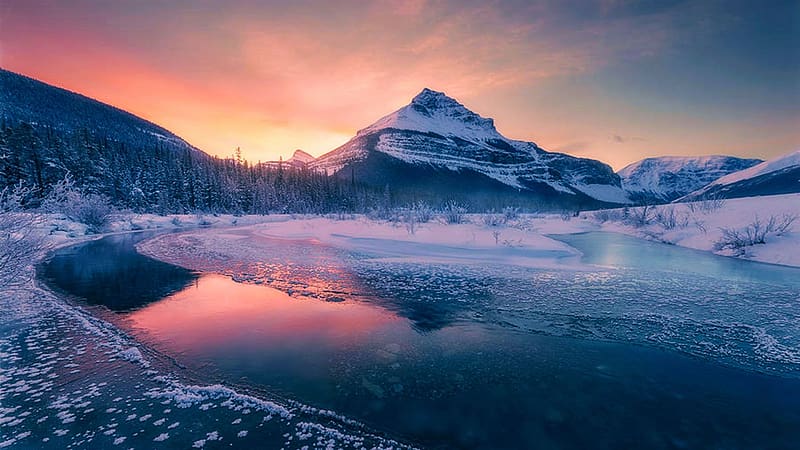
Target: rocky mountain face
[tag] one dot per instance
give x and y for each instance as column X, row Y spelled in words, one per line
column 666, row 178
column 435, row 147
column 300, row 158
column 780, row 175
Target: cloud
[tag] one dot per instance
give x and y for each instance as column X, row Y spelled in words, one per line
column 257, row 73
column 623, row 139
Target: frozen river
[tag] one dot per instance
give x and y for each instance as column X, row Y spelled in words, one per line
column 654, row 346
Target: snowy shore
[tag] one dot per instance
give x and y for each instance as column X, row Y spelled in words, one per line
column 493, row 239
column 700, row 225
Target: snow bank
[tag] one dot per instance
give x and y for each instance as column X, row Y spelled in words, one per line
column 516, row 243
column 700, row 226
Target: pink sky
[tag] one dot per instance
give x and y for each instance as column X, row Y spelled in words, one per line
column 270, row 78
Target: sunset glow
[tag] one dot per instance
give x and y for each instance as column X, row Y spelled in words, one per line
column 611, row 80
column 242, row 311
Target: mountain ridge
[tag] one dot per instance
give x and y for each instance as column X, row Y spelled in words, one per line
column 436, row 135
column 666, row 178
column 780, row 175
column 26, row 99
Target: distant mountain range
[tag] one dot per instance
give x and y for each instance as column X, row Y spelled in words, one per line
column 436, row 147
column 432, row 149
column 780, row 175
column 299, row 160
column 664, row 179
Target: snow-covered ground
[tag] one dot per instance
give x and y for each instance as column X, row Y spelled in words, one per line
column 523, row 240
column 700, row 226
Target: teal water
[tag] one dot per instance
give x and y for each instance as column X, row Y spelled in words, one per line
column 658, row 347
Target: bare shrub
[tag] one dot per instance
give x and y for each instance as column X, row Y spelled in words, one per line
column 93, row 210
column 608, row 215
column 202, row 220
column 640, row 217
column 20, row 242
column 567, row 215
column 699, row 224
column 454, row 212
column 494, row 220
column 666, row 217
column 512, row 243
column 511, row 213
column 422, row 211
column 410, row 220
column 757, row 232
column 711, row 203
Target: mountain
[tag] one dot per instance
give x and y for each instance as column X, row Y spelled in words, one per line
column 300, row 158
column 777, row 176
column 23, row 99
column 666, row 178
column 436, row 148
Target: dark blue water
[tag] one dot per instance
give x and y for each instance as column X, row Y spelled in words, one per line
column 661, row 348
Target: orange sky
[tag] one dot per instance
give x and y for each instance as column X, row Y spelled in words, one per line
column 615, row 81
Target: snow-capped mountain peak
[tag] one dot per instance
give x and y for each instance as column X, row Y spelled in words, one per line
column 300, row 156
column 779, row 175
column 666, row 178
column 435, row 144
column 773, row 165
column 434, row 112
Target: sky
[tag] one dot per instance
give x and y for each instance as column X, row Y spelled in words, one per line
column 614, row 80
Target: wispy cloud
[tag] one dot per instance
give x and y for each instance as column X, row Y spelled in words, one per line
column 274, row 75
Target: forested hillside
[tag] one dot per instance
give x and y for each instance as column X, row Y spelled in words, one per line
column 47, row 132
column 163, row 178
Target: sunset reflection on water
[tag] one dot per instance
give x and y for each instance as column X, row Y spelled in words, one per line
column 218, row 312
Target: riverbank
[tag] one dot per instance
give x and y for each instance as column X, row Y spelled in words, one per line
column 702, row 226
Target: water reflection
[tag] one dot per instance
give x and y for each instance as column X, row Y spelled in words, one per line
column 348, row 339
column 468, row 385
column 111, row 273
column 217, row 314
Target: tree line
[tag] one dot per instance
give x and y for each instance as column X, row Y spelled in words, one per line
column 165, row 178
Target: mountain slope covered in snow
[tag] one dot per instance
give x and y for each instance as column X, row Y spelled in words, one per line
column 666, row 178
column 436, row 145
column 780, row 175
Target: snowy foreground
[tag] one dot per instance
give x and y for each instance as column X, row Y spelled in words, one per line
column 69, row 380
